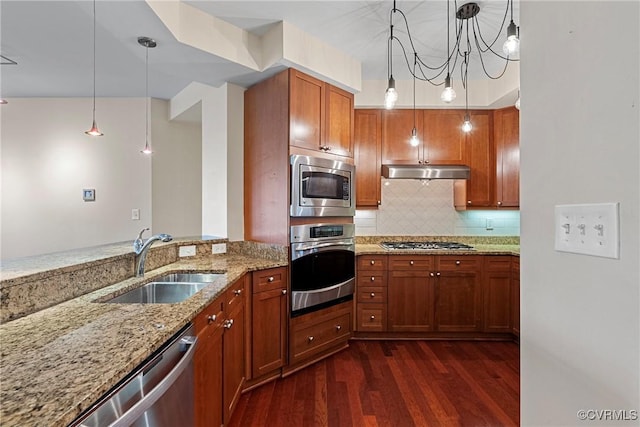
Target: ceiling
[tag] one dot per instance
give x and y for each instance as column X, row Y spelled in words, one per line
column 52, row 42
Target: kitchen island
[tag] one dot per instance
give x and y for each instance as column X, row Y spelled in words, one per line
column 58, row 361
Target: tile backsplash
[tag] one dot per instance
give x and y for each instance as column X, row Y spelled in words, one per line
column 425, row 208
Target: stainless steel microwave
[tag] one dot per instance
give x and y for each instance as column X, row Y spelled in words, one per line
column 322, row 187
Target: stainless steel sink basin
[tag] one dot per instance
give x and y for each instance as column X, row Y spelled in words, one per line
column 168, row 289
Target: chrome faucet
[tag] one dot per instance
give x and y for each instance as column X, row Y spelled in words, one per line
column 141, row 248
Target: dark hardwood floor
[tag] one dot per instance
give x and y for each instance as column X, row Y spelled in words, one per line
column 396, row 384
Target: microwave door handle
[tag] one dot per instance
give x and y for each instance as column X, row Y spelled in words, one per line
column 322, row 245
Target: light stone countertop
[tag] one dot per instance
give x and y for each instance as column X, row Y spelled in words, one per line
column 479, row 249
column 58, row 361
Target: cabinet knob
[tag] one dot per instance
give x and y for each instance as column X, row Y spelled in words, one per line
column 372, row 262
column 237, row 292
column 373, row 294
column 457, row 262
column 499, row 203
column 373, row 279
column 284, row 292
column 468, row 202
column 270, row 279
column 228, row 323
column 438, row 274
column 410, row 262
column 338, row 327
column 373, row 317
column 379, row 202
column 431, row 274
column 212, row 318
column 309, row 338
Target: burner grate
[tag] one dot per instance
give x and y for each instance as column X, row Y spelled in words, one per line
column 426, row 245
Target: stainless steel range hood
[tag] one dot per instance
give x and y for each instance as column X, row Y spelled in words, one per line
column 425, row 171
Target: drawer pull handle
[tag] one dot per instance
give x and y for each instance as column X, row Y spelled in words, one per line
column 270, row 279
column 373, row 294
column 228, row 323
column 310, row 338
column 410, row 262
column 373, row 279
column 237, row 292
column 431, row 274
column 372, row 262
column 212, row 318
column 284, row 292
column 457, row 262
column 438, row 274
column 338, row 327
column 373, row 317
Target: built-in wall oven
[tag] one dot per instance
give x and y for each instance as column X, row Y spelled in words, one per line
column 322, row 266
column 321, row 187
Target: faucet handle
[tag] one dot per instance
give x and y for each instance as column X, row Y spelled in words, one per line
column 138, row 243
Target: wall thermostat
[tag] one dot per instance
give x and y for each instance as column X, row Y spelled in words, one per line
column 89, row 195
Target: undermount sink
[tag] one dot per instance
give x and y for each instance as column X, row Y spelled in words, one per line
column 169, row 289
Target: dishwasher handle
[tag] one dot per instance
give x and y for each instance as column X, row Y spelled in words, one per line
column 156, row 393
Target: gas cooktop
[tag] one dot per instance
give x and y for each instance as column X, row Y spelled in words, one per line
column 427, row 245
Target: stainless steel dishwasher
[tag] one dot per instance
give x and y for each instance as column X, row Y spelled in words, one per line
column 158, row 393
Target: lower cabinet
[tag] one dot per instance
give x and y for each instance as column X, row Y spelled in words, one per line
column 233, row 341
column 457, row 286
column 371, row 293
column 497, row 294
column 410, row 293
column 515, row 297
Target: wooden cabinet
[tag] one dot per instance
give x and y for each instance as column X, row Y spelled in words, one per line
column 507, row 142
column 208, row 366
column 457, row 293
column 479, row 188
column 396, row 132
column 268, row 321
column 444, row 141
column 515, row 297
column 497, row 294
column 434, row 293
column 367, row 154
column 321, row 115
column 410, row 293
column 371, row 293
column 233, row 341
column 319, row 334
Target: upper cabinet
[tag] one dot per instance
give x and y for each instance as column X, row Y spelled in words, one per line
column 396, row 133
column 367, row 136
column 478, row 155
column 507, row 140
column 321, row 115
column 444, row 141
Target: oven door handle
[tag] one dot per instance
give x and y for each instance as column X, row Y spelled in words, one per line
column 322, row 245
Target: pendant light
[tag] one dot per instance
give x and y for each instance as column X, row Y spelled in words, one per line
column 466, row 124
column 414, row 141
column 448, row 94
column 512, row 45
column 147, row 43
column 390, row 96
column 94, row 131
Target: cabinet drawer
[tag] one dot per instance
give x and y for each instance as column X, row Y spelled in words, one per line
column 212, row 315
column 310, row 338
column 372, row 262
column 267, row 280
column 410, row 262
column 234, row 296
column 371, row 317
column 371, row 278
column 372, row 294
column 459, row 263
column 497, row 263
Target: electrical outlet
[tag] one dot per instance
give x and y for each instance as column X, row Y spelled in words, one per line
column 219, row 248
column 591, row 229
column 187, row 250
column 135, row 214
column 489, row 224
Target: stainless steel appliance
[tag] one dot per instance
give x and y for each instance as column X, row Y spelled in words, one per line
column 158, row 393
column 321, row 187
column 427, row 246
column 322, row 266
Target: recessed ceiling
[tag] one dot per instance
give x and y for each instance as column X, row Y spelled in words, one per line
column 52, row 42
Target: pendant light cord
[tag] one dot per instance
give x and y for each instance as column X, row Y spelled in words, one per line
column 146, row 91
column 94, row 60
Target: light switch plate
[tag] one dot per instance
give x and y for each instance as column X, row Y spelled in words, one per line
column 589, row 229
column 89, row 195
column 187, row 250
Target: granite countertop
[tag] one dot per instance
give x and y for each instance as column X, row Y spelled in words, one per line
column 479, row 249
column 58, row 361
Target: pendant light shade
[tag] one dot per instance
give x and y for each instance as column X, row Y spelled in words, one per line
column 147, row 43
column 94, row 131
column 448, row 94
column 390, row 96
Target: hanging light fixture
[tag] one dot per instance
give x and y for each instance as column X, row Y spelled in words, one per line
column 414, row 141
column 512, row 45
column 472, row 35
column 466, row 124
column 147, row 43
column 94, row 131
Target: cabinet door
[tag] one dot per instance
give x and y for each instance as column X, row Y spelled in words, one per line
column 443, row 136
column 367, row 144
column 268, row 329
column 396, row 132
column 306, row 110
column 457, row 307
column 339, row 121
column 208, row 367
column 515, row 297
column 497, row 294
column 409, row 301
column 233, row 354
column 479, row 157
column 507, row 140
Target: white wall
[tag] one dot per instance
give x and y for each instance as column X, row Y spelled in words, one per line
column 47, row 161
column 235, row 161
column 176, row 172
column 580, row 134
